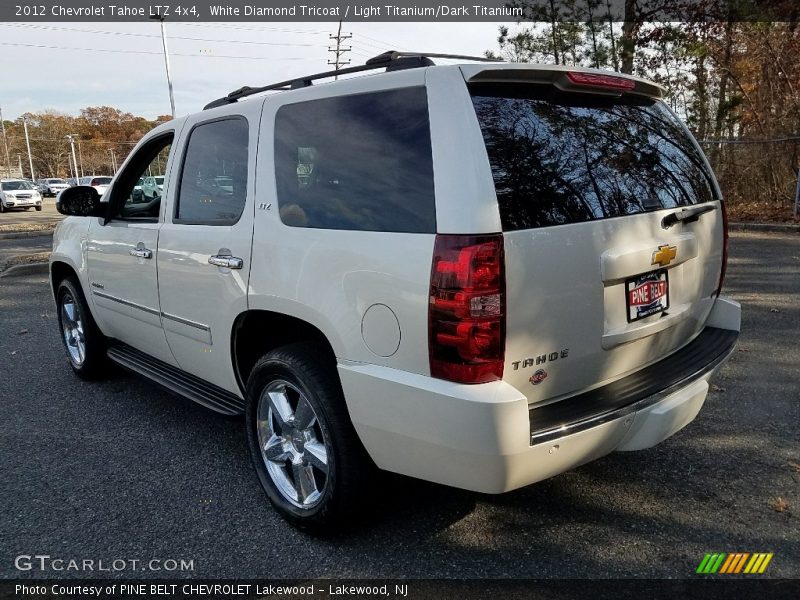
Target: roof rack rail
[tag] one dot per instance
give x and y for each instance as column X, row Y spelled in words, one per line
column 390, row 60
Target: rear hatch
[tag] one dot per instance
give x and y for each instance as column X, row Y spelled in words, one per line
column 598, row 284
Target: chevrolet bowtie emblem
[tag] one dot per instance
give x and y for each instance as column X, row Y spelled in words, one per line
column 664, row 255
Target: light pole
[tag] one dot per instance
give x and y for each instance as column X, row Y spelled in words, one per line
column 71, row 138
column 5, row 144
column 113, row 161
column 160, row 18
column 19, row 159
column 28, row 144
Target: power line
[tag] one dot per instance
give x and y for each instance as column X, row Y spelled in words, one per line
column 245, row 28
column 46, row 47
column 147, row 35
column 384, row 44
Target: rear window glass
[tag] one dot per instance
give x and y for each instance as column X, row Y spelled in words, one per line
column 359, row 162
column 560, row 158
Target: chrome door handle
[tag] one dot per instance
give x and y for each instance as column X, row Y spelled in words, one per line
column 141, row 252
column 226, row 262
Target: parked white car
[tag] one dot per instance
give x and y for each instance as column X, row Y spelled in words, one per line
column 480, row 275
column 152, row 187
column 99, row 183
column 19, row 193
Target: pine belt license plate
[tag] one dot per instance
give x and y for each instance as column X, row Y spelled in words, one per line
column 647, row 294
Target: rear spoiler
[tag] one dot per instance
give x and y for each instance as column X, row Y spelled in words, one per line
column 572, row 79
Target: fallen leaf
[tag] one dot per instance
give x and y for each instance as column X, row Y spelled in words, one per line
column 744, row 349
column 716, row 388
column 774, row 310
column 779, row 504
column 794, row 466
column 13, row 353
column 22, row 332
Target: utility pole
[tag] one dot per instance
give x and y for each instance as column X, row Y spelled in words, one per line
column 19, row 159
column 113, row 161
column 28, row 144
column 71, row 138
column 338, row 50
column 160, row 18
column 5, row 144
column 80, row 157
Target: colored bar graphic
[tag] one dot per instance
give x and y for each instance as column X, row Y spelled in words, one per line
column 730, row 564
column 740, row 563
column 727, row 564
column 765, row 563
column 754, row 563
column 720, row 562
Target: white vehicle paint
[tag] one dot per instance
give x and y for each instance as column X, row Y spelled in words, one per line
column 602, row 332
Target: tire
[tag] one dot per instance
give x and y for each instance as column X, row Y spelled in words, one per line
column 38, row 209
column 84, row 342
column 321, row 487
column 2, row 207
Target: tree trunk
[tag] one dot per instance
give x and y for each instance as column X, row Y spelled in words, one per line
column 554, row 30
column 630, row 29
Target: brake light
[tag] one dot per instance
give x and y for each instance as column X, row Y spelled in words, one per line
column 466, row 315
column 724, row 247
column 600, row 80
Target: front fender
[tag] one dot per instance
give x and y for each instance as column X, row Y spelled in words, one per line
column 69, row 248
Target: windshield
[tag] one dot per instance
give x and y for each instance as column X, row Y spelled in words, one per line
column 16, row 185
column 561, row 158
column 101, row 181
column 159, row 180
column 56, row 181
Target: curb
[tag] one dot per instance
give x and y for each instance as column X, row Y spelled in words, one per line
column 13, row 235
column 39, row 268
column 772, row 227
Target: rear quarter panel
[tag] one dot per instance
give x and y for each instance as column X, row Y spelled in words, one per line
column 330, row 278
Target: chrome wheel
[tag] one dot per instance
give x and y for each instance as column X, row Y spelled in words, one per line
column 293, row 446
column 72, row 328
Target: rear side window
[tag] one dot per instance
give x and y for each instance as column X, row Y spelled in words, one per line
column 213, row 184
column 360, row 162
column 560, row 158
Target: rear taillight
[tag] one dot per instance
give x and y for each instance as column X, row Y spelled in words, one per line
column 724, row 247
column 599, row 80
column 466, row 318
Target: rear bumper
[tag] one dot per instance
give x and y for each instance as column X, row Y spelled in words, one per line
column 485, row 438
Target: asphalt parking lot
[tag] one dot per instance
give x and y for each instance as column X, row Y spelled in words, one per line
column 120, row 469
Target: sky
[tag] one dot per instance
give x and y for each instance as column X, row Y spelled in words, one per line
column 69, row 66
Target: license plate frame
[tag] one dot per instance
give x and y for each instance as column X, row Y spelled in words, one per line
column 646, row 294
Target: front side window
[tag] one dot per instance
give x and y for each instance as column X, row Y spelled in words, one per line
column 213, row 185
column 360, row 162
column 131, row 201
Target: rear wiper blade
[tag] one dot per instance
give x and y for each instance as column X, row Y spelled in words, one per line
column 686, row 215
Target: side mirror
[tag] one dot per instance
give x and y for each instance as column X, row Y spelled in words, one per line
column 80, row 201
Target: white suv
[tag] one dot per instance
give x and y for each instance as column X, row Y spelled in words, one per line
column 479, row 275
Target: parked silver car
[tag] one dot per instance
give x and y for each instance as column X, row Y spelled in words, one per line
column 51, row 186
